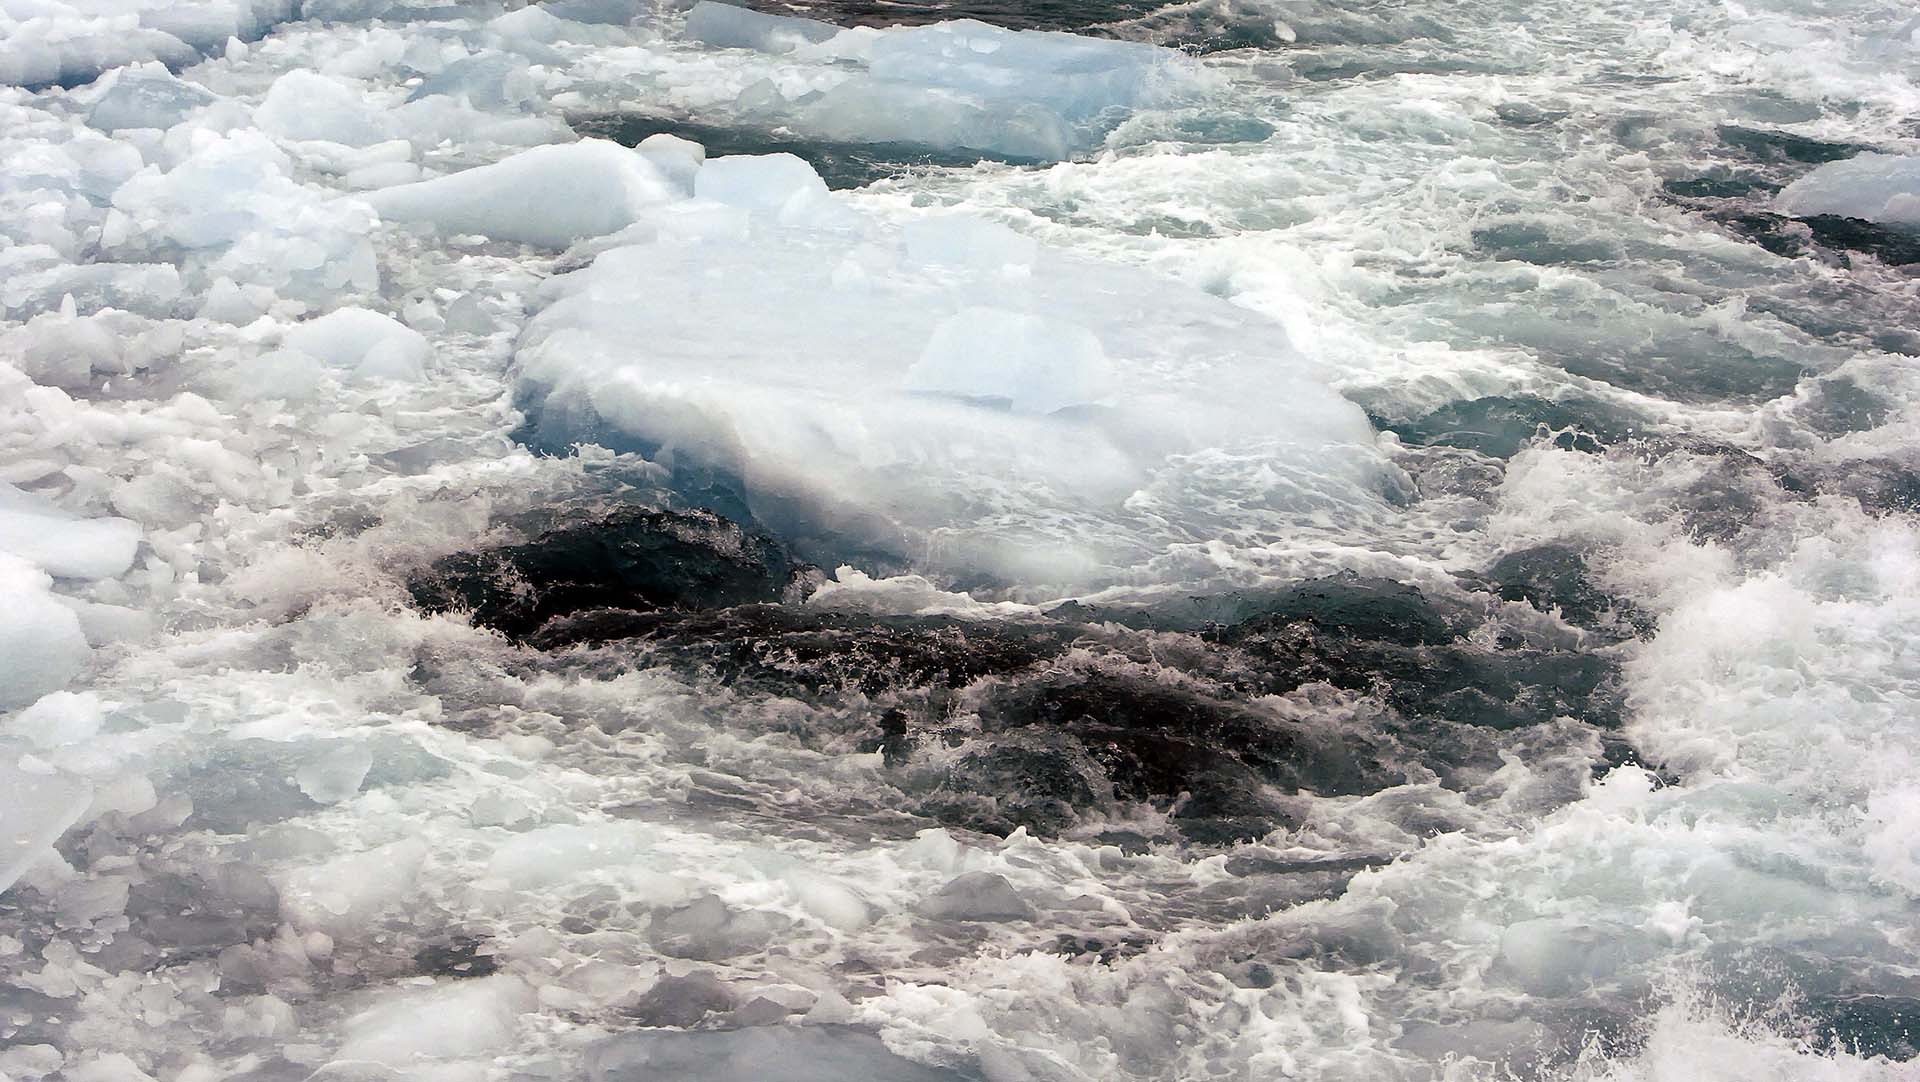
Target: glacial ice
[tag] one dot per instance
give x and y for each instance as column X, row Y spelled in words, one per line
column 549, row 196
column 678, row 159
column 492, row 81
column 1881, row 188
column 348, row 891
column 894, row 385
column 59, row 719
column 453, row 1019
column 780, row 186
column 305, row 105
column 959, row 84
column 63, row 544
column 36, row 807
column 231, row 210
column 729, row 26
column 363, row 343
column 144, row 96
column 1033, row 364
column 71, row 41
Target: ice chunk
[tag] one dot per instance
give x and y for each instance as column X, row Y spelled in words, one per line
column 774, row 184
column 961, row 84
column 60, row 718
column 531, row 25
column 728, row 27
column 35, row 809
column 977, row 896
column 84, row 900
column 61, row 349
column 62, row 544
column 232, row 211
column 1033, row 364
column 549, row 196
column 489, row 81
column 70, row 47
column 346, row 893
column 452, row 1020
column 595, row 12
column 466, row 315
column 677, row 159
column 1065, row 391
column 790, row 1054
column 968, row 241
column 364, row 342
column 706, row 928
column 307, row 105
column 1881, row 188
column 152, row 289
column 145, row 96
column 336, row 773
column 40, row 638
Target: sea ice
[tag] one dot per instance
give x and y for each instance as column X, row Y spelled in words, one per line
column 961, row 84
column 909, row 388
column 780, row 185
column 36, row 807
column 345, row 893
column 1033, row 364
column 307, row 105
column 231, row 210
column 490, row 81
column 61, row 544
column 365, row 343
column 59, row 719
column 549, row 196
column 727, row 26
column 450, row 1020
column 144, row 96
column 1881, row 188
column 72, row 41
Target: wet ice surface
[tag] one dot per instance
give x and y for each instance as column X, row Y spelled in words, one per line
column 1391, row 557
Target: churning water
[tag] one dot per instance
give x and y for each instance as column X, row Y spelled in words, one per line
column 1234, row 539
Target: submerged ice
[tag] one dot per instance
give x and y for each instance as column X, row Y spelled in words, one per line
column 1385, row 550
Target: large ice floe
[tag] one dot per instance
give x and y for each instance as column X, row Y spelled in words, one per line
column 961, row 84
column 941, row 388
column 52, row 41
column 1381, row 547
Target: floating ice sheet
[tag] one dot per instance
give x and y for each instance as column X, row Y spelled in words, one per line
column 71, row 41
column 948, row 391
column 957, row 84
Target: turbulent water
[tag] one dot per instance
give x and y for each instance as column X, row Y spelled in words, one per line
column 1235, row 539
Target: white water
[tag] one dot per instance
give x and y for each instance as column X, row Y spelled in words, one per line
column 278, row 782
